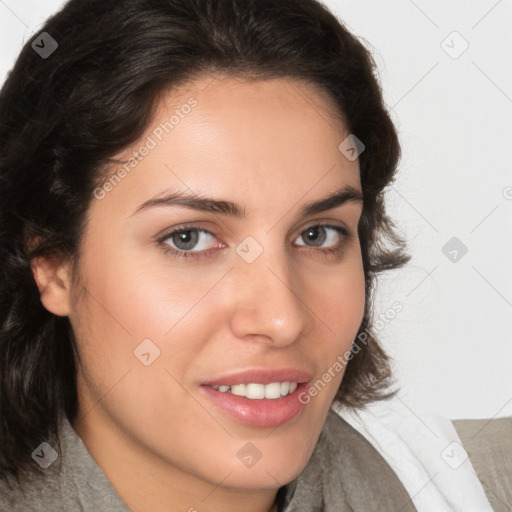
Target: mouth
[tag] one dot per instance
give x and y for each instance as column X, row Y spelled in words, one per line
column 259, row 397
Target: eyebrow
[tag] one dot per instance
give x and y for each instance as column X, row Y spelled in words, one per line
column 206, row 204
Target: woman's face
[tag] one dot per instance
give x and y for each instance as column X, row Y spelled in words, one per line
column 204, row 267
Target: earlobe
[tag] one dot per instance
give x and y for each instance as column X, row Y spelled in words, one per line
column 53, row 279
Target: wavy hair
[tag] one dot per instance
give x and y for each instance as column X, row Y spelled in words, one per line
column 64, row 117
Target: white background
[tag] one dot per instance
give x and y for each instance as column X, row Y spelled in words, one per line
column 452, row 343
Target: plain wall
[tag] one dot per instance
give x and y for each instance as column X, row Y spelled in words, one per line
column 451, row 343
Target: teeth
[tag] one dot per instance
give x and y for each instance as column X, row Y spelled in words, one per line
column 273, row 390
column 238, row 389
column 256, row 391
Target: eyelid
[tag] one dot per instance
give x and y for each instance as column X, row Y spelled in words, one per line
column 325, row 223
column 183, row 227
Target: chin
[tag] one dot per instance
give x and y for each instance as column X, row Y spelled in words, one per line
column 270, row 462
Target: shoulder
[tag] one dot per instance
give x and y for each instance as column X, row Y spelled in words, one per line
column 488, row 443
column 345, row 473
column 49, row 482
column 37, row 494
column 67, row 478
column 10, row 495
column 425, row 452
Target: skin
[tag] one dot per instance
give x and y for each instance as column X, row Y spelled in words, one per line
column 271, row 146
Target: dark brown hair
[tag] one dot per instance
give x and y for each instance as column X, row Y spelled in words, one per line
column 63, row 117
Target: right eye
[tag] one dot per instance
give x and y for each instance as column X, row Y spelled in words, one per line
column 190, row 242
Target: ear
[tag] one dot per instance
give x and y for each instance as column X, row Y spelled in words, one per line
column 53, row 279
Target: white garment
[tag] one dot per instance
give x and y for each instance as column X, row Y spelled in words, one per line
column 425, row 452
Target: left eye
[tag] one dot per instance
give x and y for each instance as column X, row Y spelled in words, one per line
column 319, row 235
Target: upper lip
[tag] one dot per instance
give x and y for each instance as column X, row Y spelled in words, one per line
column 261, row 376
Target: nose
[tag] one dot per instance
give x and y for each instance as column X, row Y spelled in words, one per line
column 267, row 303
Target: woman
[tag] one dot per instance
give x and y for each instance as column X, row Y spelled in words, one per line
column 192, row 220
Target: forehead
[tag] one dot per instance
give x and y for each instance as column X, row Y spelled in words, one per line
column 267, row 139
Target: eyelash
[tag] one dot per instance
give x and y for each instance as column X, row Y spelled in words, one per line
column 198, row 255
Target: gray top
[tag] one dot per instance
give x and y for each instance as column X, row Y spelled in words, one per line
column 488, row 443
column 344, row 474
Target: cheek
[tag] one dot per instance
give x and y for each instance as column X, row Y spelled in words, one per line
column 129, row 310
column 136, row 294
column 339, row 301
column 132, row 307
column 338, row 298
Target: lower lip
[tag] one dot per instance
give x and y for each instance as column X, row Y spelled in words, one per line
column 258, row 413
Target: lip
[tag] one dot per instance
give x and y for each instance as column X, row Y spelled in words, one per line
column 261, row 376
column 260, row 412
